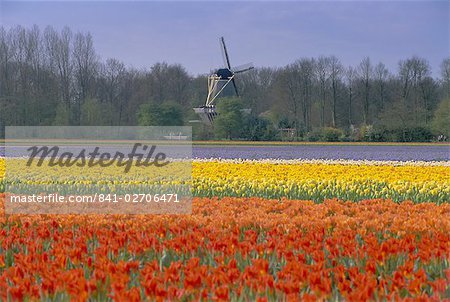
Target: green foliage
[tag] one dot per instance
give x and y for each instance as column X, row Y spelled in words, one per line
column 258, row 129
column 92, row 113
column 228, row 105
column 413, row 134
column 441, row 120
column 62, row 117
column 284, row 123
column 314, row 135
column 166, row 114
column 365, row 133
column 327, row 134
column 371, row 133
column 380, row 133
column 202, row 132
column 374, row 133
column 229, row 122
column 331, row 134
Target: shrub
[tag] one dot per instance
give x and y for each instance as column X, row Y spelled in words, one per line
column 326, row 134
column 314, row 136
column 331, row 134
column 258, row 129
column 441, row 120
column 413, row 134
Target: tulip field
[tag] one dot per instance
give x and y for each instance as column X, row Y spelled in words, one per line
column 319, row 180
column 260, row 230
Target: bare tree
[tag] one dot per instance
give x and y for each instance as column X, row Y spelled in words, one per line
column 381, row 75
column 365, row 73
column 350, row 76
column 158, row 81
column 113, row 71
column 58, row 48
column 445, row 74
column 323, row 77
column 112, row 80
column 85, row 62
column 7, row 112
column 254, row 87
column 169, row 83
column 179, row 81
column 6, row 59
column 307, row 69
column 336, row 70
column 290, row 83
column 413, row 73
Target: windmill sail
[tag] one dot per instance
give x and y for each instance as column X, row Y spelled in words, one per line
column 243, row 68
column 225, row 53
column 235, row 88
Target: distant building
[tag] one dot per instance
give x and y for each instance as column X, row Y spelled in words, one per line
column 288, row 133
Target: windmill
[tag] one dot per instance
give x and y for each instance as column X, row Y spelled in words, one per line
column 217, row 82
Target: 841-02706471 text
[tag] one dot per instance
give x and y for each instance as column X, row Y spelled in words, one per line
column 139, row 197
column 101, row 198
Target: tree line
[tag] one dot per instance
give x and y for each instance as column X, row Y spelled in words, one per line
column 51, row 77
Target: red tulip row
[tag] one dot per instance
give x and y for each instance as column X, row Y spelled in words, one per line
column 234, row 248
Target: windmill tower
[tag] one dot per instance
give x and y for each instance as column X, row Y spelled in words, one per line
column 217, row 82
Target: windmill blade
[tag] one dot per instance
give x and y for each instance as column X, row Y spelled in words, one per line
column 243, row 68
column 225, row 54
column 235, row 88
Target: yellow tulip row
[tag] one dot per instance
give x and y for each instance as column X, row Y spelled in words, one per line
column 322, row 180
column 300, row 180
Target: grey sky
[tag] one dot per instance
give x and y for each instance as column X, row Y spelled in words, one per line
column 269, row 33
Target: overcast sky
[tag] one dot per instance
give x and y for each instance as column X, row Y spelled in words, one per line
column 269, row 33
